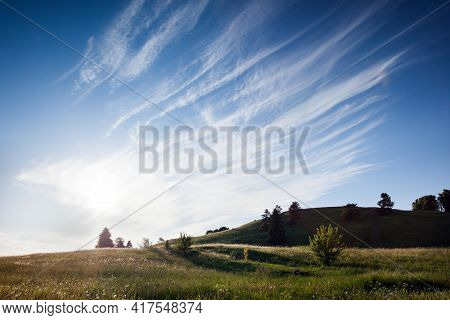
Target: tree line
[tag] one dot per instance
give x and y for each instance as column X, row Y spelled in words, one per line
column 273, row 222
column 105, row 241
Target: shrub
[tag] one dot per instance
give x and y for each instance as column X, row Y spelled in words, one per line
column 350, row 211
column 129, row 244
column 444, row 200
column 326, row 244
column 184, row 243
column 245, row 254
column 426, row 203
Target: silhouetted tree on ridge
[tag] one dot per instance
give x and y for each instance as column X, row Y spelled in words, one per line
column 444, row 200
column 294, row 212
column 104, row 240
column 265, row 220
column 217, row 230
column 276, row 227
column 385, row 203
column 120, row 243
column 428, row 202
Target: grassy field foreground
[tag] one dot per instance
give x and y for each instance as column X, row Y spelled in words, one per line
column 220, row 272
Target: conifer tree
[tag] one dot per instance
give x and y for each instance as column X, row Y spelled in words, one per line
column 265, row 220
column 294, row 212
column 104, row 240
column 276, row 228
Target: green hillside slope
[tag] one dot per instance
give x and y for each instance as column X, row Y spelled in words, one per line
column 401, row 229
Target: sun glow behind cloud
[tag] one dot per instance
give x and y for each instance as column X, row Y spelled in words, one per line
column 231, row 75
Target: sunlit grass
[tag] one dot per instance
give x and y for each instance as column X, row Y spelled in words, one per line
column 220, row 272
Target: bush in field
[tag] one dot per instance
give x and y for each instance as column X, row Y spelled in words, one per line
column 426, row 203
column 294, row 212
column 245, row 254
column 120, row 243
column 350, row 211
column 326, row 244
column 104, row 240
column 145, row 244
column 184, row 243
column 444, row 200
column 385, row 203
column 129, row 245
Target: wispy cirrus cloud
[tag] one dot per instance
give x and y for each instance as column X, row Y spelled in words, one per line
column 231, row 62
column 119, row 51
column 239, row 71
column 111, row 50
column 181, row 21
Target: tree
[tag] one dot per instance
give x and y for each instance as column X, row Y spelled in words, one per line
column 276, row 228
column 119, row 243
column 184, row 243
column 426, row 203
column 104, row 240
column 444, row 200
column 385, row 203
column 145, row 244
column 326, row 244
column 265, row 220
column 294, row 212
column 350, row 211
column 161, row 239
column 129, row 245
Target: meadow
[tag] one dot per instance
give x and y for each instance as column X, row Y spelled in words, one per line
column 220, row 271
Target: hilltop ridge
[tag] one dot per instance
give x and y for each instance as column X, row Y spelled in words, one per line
column 401, row 229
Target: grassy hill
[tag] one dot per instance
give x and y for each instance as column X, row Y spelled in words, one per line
column 220, row 272
column 402, row 229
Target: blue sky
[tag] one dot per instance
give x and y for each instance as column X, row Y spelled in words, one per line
column 68, row 163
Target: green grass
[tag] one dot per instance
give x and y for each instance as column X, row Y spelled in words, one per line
column 215, row 268
column 219, row 272
column 402, row 229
